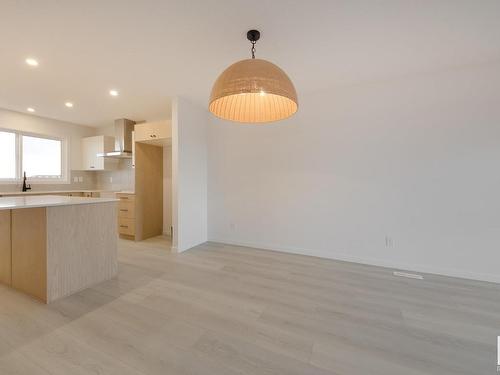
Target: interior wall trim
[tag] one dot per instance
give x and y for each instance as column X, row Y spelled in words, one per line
column 421, row 268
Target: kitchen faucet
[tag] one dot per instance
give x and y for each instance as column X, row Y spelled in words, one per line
column 26, row 186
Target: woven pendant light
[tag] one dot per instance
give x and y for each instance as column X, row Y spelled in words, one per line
column 253, row 91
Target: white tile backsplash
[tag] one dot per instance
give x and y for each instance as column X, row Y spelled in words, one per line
column 122, row 178
column 78, row 180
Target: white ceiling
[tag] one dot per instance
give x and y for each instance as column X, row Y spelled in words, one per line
column 151, row 50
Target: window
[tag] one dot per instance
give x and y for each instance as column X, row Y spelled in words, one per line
column 43, row 158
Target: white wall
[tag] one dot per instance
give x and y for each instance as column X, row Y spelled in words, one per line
column 106, row 130
column 167, row 189
column 45, row 126
column 416, row 159
column 189, row 174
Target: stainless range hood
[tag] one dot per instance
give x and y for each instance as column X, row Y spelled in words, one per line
column 123, row 140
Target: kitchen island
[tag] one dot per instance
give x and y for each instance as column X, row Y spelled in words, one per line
column 54, row 246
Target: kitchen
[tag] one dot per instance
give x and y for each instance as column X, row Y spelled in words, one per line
column 234, row 188
column 117, row 179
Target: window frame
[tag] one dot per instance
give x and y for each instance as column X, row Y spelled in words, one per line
column 17, row 156
column 64, row 179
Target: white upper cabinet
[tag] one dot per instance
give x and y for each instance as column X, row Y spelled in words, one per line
column 91, row 146
column 153, row 132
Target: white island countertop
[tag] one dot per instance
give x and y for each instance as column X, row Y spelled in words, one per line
column 10, row 203
column 50, row 192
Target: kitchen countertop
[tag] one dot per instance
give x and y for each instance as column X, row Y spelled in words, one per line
column 10, row 203
column 39, row 192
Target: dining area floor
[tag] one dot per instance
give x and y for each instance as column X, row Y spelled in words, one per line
column 223, row 309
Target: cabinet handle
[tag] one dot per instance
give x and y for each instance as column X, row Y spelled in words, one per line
column 123, row 210
column 92, row 166
column 123, row 226
column 123, row 197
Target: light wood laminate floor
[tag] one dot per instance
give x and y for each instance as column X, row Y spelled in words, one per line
column 220, row 309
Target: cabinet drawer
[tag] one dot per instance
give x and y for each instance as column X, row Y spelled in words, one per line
column 125, row 197
column 126, row 209
column 126, row 226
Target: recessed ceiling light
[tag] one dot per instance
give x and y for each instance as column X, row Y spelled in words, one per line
column 29, row 109
column 68, row 104
column 113, row 92
column 31, row 62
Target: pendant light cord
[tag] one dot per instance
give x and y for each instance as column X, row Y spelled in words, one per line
column 253, row 48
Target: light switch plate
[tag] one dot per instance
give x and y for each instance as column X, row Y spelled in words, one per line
column 80, row 179
column 75, row 179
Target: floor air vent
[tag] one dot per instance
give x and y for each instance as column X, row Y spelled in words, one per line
column 408, row 275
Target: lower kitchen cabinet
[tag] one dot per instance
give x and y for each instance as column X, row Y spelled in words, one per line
column 126, row 215
column 29, row 251
column 23, row 250
column 5, row 248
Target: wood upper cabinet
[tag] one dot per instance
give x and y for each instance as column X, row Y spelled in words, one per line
column 149, row 132
column 91, row 146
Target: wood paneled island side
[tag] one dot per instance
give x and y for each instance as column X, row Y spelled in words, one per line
column 54, row 246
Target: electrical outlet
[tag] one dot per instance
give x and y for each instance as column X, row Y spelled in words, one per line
column 75, row 179
column 80, row 179
column 389, row 241
column 111, row 180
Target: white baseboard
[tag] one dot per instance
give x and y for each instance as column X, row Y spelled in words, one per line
column 442, row 271
column 186, row 248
